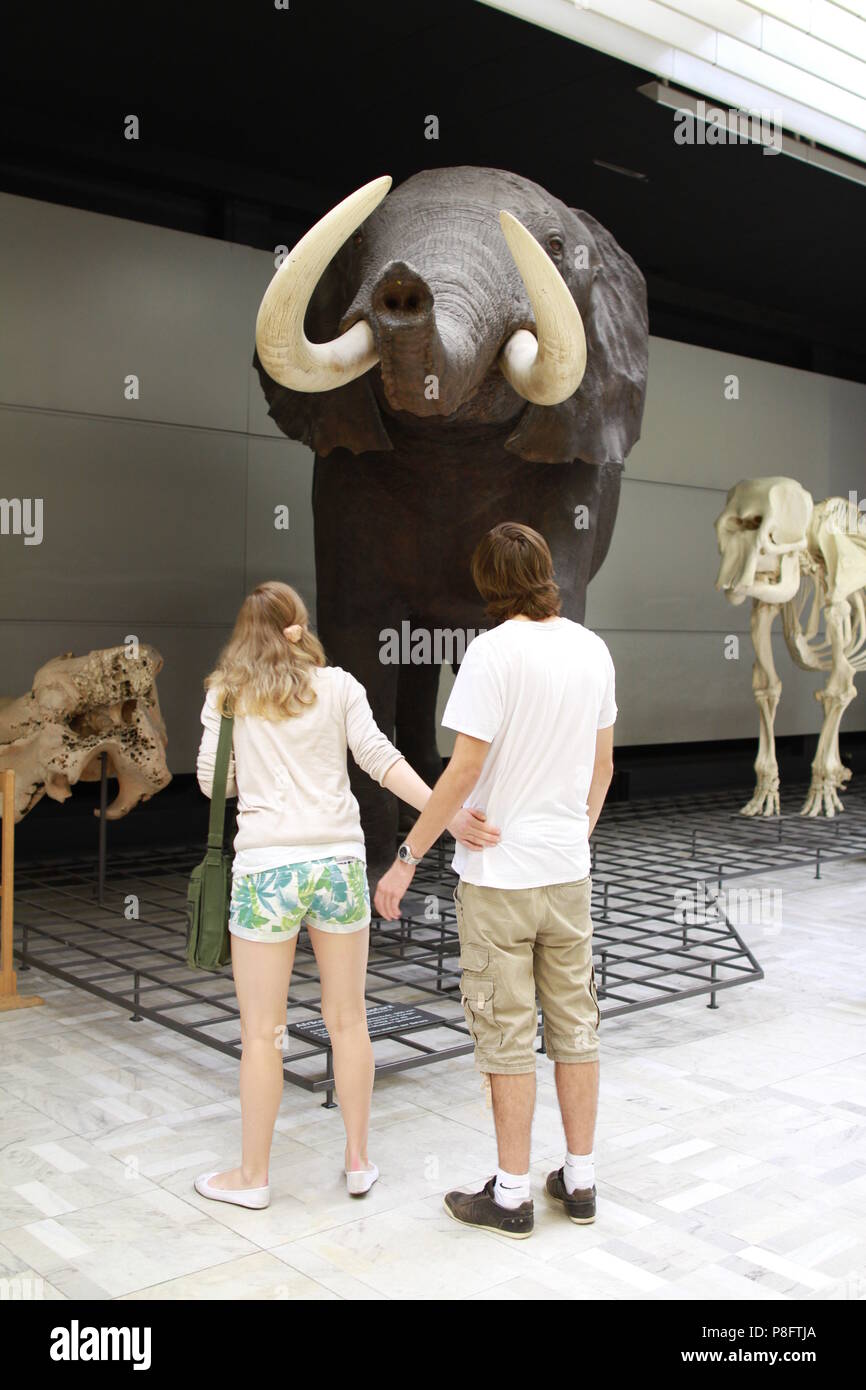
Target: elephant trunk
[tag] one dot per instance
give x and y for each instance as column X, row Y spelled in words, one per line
column 427, row 362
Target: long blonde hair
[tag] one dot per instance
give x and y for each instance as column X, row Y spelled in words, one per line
column 260, row 671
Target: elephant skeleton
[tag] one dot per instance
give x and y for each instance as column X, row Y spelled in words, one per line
column 806, row 561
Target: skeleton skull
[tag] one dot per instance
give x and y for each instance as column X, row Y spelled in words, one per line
column 78, row 708
column 761, row 534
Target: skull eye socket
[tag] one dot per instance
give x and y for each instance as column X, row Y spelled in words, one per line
column 748, row 523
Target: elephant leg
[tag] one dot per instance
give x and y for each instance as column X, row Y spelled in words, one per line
column 829, row 774
column 417, row 695
column 767, row 690
column 609, row 484
column 358, row 650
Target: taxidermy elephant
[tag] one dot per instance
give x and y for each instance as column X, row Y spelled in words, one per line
column 464, row 352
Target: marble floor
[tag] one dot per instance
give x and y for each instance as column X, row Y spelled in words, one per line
column 731, row 1152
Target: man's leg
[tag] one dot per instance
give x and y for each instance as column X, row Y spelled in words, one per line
column 497, row 932
column 513, row 1107
column 566, row 987
column 577, row 1092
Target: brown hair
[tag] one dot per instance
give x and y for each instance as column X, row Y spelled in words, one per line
column 513, row 571
column 260, row 671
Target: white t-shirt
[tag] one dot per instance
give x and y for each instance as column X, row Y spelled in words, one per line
column 537, row 692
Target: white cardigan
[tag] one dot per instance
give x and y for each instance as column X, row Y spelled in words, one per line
column 290, row 775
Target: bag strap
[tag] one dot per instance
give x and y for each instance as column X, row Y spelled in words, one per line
column 216, row 824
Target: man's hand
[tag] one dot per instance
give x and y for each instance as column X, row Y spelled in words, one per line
column 391, row 888
column 470, row 829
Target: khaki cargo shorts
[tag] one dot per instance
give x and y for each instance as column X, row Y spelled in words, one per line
column 519, row 944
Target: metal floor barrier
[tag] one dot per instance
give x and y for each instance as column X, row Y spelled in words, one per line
column 668, row 897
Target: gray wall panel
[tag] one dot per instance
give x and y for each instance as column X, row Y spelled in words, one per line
column 661, row 568
column 693, row 435
column 281, row 474
column 88, row 299
column 679, row 687
column 847, row 439
column 142, row 523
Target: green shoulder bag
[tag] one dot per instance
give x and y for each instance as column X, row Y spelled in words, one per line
column 210, row 883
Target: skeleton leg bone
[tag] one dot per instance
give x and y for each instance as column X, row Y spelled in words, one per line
column 829, row 774
column 767, row 689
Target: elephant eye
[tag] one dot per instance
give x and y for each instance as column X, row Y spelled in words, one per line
column 357, row 239
column 556, row 245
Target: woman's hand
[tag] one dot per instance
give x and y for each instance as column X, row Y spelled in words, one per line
column 471, row 830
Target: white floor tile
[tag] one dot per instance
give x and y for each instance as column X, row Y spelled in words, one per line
column 730, row 1153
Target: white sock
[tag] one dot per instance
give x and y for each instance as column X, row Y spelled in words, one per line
column 578, row 1171
column 511, row 1189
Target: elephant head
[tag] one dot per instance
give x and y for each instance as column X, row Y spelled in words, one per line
column 467, row 297
column 762, row 533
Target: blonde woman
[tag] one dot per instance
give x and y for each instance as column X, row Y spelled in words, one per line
column 299, row 861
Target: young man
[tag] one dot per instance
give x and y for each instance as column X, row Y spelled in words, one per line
column 533, row 707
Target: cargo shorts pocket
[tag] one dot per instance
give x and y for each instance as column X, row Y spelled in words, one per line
column 477, row 997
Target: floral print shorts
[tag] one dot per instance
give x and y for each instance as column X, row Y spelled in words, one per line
column 331, row 894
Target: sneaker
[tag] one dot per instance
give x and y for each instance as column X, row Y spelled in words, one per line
column 482, row 1210
column 254, row 1197
column 579, row 1204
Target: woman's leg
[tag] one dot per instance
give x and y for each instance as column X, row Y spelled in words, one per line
column 342, row 961
column 262, row 972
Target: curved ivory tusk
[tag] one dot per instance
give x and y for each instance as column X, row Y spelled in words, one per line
column 547, row 366
column 284, row 350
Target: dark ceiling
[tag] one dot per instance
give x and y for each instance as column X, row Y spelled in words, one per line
column 255, row 120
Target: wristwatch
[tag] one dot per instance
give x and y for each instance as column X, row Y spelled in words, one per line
column 405, row 855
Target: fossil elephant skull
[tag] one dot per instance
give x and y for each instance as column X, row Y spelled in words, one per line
column 80, row 707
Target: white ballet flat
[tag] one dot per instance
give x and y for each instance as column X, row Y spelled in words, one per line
column 360, row 1180
column 255, row 1197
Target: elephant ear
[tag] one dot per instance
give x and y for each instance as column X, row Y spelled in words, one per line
column 347, row 418
column 602, row 420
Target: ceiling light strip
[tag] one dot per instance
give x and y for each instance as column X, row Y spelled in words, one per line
column 588, row 26
column 666, row 95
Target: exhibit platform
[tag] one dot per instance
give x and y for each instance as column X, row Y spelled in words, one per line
column 670, row 898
